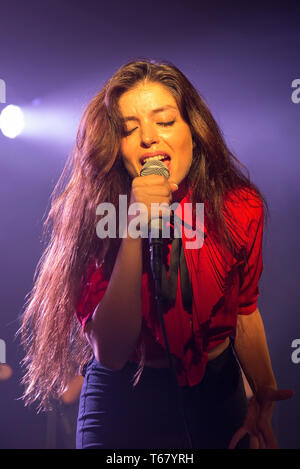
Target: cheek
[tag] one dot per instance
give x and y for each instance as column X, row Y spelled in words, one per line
column 123, row 148
column 128, row 159
column 185, row 147
column 126, row 153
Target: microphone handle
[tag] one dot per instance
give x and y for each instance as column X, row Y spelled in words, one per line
column 156, row 257
column 156, row 250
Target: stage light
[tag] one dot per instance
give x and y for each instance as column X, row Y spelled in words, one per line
column 11, row 121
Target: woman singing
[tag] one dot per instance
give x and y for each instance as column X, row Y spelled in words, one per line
column 93, row 307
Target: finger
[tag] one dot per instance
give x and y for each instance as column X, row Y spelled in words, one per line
column 267, row 432
column 241, row 432
column 174, row 186
column 269, row 394
column 261, row 441
column 150, row 181
column 254, row 443
column 252, row 415
column 283, row 394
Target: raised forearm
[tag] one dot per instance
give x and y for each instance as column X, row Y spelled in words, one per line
column 252, row 351
column 116, row 322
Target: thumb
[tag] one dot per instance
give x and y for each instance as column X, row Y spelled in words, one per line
column 283, row 394
column 274, row 394
column 174, row 186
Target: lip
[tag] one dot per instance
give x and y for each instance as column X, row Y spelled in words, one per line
column 154, row 153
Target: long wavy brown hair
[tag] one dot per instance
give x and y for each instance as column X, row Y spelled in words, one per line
column 55, row 346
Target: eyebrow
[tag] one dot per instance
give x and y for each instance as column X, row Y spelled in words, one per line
column 155, row 111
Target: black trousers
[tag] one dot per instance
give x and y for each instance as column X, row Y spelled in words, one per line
column 115, row 415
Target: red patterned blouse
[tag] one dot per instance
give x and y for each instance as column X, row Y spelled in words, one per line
column 223, row 287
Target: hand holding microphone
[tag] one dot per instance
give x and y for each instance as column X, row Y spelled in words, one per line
column 153, row 186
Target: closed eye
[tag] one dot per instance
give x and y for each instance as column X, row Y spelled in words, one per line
column 164, row 124
column 128, row 132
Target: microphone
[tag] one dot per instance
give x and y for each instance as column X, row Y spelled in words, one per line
column 155, row 242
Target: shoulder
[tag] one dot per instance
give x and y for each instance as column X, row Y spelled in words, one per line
column 244, row 215
column 244, row 204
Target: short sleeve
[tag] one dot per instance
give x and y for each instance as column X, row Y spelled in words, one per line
column 92, row 293
column 249, row 290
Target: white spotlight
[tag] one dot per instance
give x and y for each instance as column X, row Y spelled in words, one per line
column 11, row 121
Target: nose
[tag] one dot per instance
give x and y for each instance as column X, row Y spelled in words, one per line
column 148, row 137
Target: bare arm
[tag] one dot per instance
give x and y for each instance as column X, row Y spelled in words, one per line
column 116, row 323
column 252, row 351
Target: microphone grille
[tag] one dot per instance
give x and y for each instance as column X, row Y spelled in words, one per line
column 155, row 167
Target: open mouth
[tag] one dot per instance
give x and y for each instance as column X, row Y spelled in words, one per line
column 163, row 158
